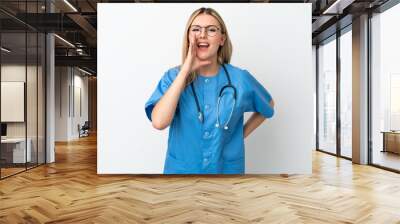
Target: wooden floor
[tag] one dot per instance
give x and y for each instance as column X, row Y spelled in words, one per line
column 387, row 159
column 5, row 172
column 70, row 191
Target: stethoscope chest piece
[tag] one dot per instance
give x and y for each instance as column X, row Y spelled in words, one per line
column 201, row 118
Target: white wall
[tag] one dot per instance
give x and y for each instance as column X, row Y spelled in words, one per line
column 314, row 74
column 80, row 84
column 137, row 43
column 68, row 81
column 61, row 103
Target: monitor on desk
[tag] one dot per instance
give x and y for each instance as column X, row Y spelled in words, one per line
column 3, row 130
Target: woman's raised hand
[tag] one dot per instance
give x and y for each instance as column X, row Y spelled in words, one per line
column 192, row 62
column 164, row 111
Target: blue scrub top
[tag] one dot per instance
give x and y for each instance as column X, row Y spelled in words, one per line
column 202, row 148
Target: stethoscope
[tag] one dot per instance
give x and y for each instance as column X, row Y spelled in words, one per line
column 229, row 85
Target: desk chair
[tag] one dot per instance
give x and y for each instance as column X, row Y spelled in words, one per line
column 84, row 130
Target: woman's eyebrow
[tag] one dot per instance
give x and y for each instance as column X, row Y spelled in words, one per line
column 205, row 26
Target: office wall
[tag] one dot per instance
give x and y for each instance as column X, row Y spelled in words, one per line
column 314, row 74
column 71, row 102
column 15, row 72
column 138, row 42
column 62, row 80
column 92, row 87
column 81, row 104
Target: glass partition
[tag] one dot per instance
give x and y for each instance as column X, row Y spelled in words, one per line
column 22, row 67
column 14, row 153
column 327, row 96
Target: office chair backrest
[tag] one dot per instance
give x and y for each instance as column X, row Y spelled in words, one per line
column 86, row 125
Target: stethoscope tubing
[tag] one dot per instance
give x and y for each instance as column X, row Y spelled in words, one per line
column 229, row 85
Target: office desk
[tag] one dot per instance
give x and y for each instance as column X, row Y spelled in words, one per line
column 13, row 150
column 391, row 141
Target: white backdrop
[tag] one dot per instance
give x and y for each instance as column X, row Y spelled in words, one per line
column 137, row 43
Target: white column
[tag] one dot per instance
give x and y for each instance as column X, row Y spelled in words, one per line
column 50, row 92
column 360, row 90
column 50, row 110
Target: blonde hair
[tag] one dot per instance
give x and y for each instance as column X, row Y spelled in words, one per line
column 224, row 52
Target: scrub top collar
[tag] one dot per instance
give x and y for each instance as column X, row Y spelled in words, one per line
column 200, row 76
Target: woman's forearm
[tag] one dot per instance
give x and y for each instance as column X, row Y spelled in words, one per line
column 164, row 110
column 255, row 120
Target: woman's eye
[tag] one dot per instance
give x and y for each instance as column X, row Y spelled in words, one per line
column 195, row 30
column 212, row 30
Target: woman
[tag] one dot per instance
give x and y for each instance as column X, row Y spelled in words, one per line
column 203, row 102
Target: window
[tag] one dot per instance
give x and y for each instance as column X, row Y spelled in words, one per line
column 385, row 89
column 346, row 94
column 327, row 96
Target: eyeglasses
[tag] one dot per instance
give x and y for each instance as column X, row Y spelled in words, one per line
column 211, row 30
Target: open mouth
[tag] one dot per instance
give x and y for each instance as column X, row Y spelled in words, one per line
column 203, row 46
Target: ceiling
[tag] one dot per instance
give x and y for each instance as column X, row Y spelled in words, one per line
column 76, row 22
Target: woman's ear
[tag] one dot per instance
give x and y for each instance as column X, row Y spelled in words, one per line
column 223, row 38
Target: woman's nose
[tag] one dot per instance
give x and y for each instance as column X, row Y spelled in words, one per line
column 203, row 33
